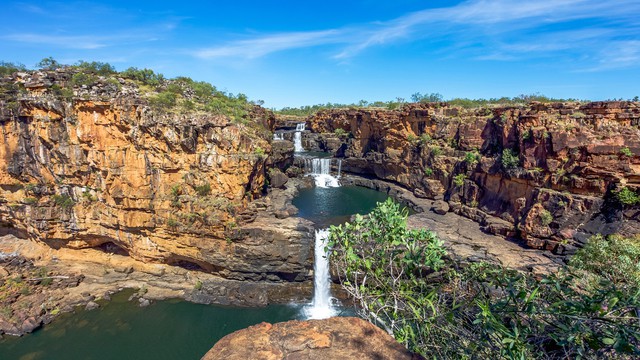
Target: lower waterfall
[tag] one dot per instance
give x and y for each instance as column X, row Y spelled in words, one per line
column 321, row 307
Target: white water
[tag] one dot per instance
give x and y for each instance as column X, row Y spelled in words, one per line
column 320, row 169
column 297, row 137
column 321, row 307
column 278, row 136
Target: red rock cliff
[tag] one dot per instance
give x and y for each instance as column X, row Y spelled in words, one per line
column 547, row 170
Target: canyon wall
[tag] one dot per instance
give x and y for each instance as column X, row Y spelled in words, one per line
column 544, row 173
column 100, row 168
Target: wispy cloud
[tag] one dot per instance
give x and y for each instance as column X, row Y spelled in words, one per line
column 499, row 30
column 71, row 42
column 257, row 47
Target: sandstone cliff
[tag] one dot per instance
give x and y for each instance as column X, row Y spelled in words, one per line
column 547, row 173
column 124, row 167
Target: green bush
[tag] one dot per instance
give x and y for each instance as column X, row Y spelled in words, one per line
column 173, row 223
column 260, row 152
column 204, row 189
column 625, row 151
column 145, row 76
column 428, row 171
column 471, row 157
column 459, row 179
column 614, row 258
column 402, row 281
column 198, row 285
column 626, row 197
column 30, row 200
column 436, row 150
column 64, row 201
column 509, row 159
column 80, row 79
column 340, row 132
column 545, row 217
column 8, row 68
column 164, row 100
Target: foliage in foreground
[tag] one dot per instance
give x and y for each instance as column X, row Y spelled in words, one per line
column 402, row 280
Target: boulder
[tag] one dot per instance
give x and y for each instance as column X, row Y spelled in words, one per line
column 277, row 178
column 440, row 207
column 335, row 338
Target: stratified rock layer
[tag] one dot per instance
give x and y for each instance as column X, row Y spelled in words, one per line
column 104, row 170
column 335, row 338
column 555, row 191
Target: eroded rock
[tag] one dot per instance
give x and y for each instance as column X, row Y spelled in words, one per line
column 335, row 338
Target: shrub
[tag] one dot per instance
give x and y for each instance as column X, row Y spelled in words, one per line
column 64, row 201
column 198, row 285
column 204, row 189
column 472, row 158
column 436, row 150
column 164, row 100
column 428, row 171
column 80, row 79
column 30, row 200
column 402, row 281
column 626, row 197
column 340, row 132
column 545, row 217
column 146, row 76
column 625, row 151
column 259, row 151
column 173, row 223
column 8, row 68
column 614, row 258
column 509, row 159
column 459, row 179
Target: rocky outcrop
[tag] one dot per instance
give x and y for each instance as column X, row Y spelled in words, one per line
column 546, row 170
column 334, row 338
column 103, row 167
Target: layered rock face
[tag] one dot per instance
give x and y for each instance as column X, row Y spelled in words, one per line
column 102, row 169
column 334, row 338
column 544, row 172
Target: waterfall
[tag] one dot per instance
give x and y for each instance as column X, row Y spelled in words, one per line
column 321, row 307
column 278, row 136
column 320, row 169
column 297, row 137
column 339, row 168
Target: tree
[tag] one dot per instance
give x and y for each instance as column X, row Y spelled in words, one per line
column 402, row 280
column 427, row 98
column 48, row 63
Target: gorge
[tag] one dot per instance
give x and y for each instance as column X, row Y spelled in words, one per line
column 105, row 188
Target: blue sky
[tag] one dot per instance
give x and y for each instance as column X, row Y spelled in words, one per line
column 292, row 53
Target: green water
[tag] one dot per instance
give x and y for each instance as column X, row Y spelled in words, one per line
column 174, row 329
column 332, row 206
column 171, row 329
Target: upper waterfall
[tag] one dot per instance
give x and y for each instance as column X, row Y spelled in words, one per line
column 297, row 137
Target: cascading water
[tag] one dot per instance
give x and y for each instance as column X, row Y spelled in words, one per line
column 321, row 307
column 278, row 136
column 297, row 137
column 320, row 169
